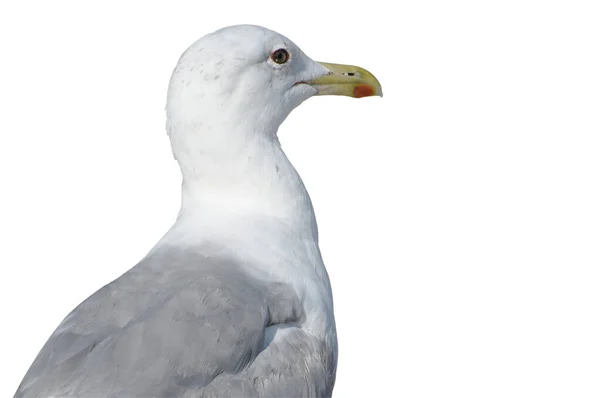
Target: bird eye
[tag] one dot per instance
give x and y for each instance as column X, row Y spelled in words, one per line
column 280, row 56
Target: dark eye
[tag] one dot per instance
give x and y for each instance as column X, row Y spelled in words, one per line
column 280, row 56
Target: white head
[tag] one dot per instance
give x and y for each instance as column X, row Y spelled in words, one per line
column 241, row 70
column 228, row 95
column 243, row 81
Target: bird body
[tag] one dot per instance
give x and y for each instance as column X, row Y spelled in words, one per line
column 235, row 299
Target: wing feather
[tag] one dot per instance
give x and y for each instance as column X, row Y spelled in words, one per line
column 179, row 323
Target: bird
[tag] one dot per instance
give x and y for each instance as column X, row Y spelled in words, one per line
column 234, row 300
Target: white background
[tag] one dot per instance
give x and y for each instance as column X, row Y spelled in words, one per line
column 459, row 214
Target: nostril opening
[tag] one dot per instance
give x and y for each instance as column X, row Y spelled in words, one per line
column 349, row 73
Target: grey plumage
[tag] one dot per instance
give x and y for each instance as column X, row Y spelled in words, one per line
column 183, row 323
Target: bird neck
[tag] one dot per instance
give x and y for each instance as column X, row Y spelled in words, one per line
column 249, row 179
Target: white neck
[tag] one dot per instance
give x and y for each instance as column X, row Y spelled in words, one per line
column 240, row 176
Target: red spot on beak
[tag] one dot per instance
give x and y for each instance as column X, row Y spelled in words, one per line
column 363, row 90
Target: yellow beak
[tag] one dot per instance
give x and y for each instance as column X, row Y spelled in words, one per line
column 348, row 80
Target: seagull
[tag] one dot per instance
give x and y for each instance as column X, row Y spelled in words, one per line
column 234, row 300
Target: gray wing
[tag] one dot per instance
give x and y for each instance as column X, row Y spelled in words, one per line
column 182, row 324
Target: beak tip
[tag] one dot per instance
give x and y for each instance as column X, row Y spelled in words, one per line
column 367, row 90
column 363, row 90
